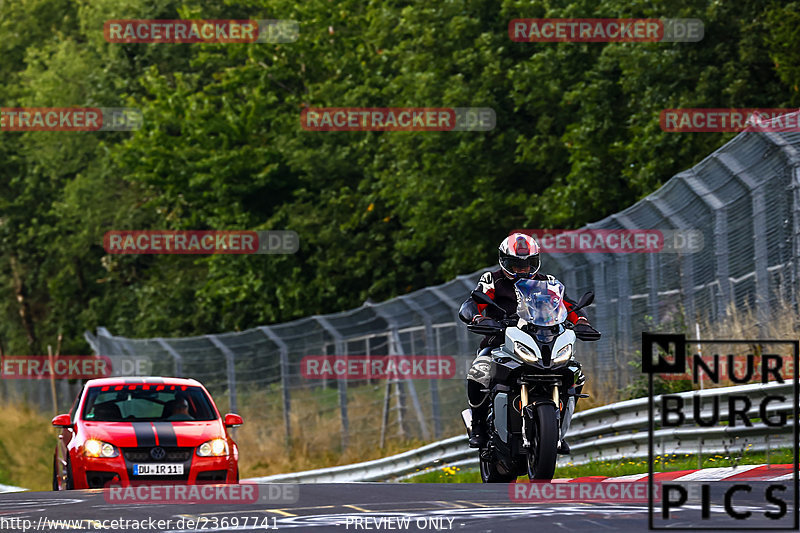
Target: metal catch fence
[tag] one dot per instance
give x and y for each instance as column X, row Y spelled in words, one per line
column 744, row 198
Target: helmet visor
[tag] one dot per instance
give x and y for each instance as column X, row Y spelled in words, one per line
column 520, row 266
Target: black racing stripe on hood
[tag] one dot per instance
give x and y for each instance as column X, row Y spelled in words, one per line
column 166, row 434
column 145, row 435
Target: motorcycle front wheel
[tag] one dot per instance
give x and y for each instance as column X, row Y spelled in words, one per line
column 544, row 443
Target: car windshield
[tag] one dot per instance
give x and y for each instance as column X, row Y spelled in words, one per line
column 147, row 403
column 541, row 302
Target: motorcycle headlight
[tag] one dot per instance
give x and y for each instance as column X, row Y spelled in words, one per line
column 213, row 448
column 563, row 354
column 526, row 353
column 98, row 448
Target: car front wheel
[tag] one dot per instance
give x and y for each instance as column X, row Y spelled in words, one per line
column 68, row 484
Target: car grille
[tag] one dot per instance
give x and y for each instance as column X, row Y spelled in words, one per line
column 173, row 455
column 142, row 455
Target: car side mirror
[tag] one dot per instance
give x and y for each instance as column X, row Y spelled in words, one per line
column 62, row 421
column 233, row 420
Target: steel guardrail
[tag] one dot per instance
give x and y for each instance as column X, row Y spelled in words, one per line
column 611, row 432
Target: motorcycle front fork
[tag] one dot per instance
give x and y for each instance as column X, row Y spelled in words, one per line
column 556, row 399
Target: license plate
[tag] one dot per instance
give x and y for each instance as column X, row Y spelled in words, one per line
column 160, row 469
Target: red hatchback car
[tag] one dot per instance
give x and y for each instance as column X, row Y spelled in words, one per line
column 144, row 429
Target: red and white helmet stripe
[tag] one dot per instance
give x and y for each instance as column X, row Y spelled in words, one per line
column 519, row 256
column 519, row 245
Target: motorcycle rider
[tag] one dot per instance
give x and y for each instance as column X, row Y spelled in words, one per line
column 518, row 259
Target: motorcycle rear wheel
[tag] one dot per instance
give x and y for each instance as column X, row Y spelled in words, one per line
column 491, row 473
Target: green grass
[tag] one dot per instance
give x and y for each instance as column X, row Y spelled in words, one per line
column 451, row 474
column 27, row 441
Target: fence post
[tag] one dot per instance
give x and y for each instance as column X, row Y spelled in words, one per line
column 398, row 350
column 400, row 406
column 720, row 238
column 795, row 236
column 175, row 355
column 341, row 383
column 434, row 384
column 687, row 287
column 231, row 370
column 624, row 305
column 686, row 259
column 436, row 408
column 385, row 412
column 721, row 254
column 758, row 203
column 63, row 391
column 412, row 391
column 603, row 313
column 652, row 282
column 761, row 258
column 624, row 313
column 284, row 358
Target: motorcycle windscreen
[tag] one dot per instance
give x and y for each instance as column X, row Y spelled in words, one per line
column 541, row 302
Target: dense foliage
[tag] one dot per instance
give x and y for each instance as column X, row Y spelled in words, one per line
column 378, row 213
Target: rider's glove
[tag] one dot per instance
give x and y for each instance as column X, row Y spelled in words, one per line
column 585, row 331
column 485, row 321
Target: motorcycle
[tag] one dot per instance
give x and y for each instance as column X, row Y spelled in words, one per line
column 535, row 382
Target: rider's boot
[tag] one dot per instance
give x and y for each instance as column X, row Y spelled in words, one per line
column 477, row 435
column 479, row 406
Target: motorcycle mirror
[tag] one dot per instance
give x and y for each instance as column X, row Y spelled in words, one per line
column 482, row 298
column 585, row 300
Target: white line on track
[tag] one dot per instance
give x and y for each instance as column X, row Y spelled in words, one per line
column 785, row 477
column 716, row 474
column 629, row 477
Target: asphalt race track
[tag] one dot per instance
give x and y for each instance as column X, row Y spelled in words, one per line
column 376, row 507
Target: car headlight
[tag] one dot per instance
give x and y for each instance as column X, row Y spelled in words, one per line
column 213, row 448
column 98, row 448
column 526, row 353
column 563, row 354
